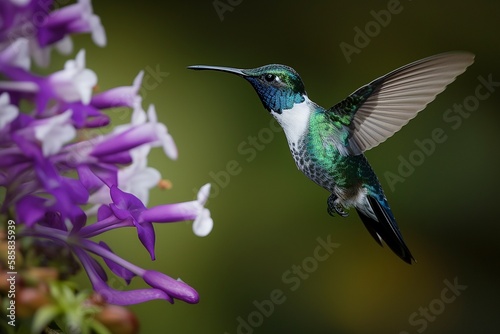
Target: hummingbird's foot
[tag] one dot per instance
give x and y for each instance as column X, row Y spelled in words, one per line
column 334, row 206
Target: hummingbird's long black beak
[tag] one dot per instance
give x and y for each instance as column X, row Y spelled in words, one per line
column 218, row 68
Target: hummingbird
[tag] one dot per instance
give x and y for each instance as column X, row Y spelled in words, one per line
column 328, row 145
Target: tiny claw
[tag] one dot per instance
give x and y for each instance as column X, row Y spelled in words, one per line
column 334, row 206
column 330, row 212
column 339, row 208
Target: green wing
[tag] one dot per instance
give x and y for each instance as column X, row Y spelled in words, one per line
column 379, row 109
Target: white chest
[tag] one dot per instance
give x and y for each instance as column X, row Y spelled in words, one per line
column 295, row 121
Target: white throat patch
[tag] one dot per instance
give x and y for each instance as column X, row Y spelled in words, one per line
column 295, row 121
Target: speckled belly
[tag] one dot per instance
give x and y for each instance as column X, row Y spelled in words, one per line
column 341, row 175
column 311, row 166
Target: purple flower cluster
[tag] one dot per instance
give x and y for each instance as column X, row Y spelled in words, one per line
column 65, row 178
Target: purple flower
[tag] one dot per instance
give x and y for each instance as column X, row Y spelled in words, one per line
column 161, row 286
column 139, row 132
column 193, row 210
column 127, row 210
column 126, row 96
column 73, row 83
column 45, row 29
column 77, row 18
column 65, row 178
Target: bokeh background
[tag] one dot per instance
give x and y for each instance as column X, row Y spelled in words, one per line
column 268, row 217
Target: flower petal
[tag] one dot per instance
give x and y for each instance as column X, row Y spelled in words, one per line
column 119, row 270
column 203, row 194
column 114, row 296
column 103, row 212
column 75, row 82
column 126, row 96
column 125, row 202
column 97, row 31
column 137, row 178
column 146, row 233
column 125, row 141
column 175, row 288
column 16, row 54
column 8, row 112
column 131, row 297
column 30, row 209
column 54, row 132
column 203, row 224
column 164, row 138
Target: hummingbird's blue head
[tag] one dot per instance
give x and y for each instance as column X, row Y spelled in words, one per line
column 279, row 87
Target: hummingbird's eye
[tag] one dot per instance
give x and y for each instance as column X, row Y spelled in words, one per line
column 269, row 77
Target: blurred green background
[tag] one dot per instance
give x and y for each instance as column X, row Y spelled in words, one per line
column 268, row 217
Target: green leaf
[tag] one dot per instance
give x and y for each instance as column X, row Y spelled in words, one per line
column 44, row 316
column 55, row 290
column 98, row 327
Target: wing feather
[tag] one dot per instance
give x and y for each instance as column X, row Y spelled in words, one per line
column 398, row 96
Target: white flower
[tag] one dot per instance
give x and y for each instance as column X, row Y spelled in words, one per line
column 164, row 138
column 65, row 45
column 17, row 54
column 75, row 82
column 54, row 132
column 138, row 178
column 94, row 23
column 8, row 112
column 203, row 223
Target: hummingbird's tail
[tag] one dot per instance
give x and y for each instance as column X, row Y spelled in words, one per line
column 384, row 227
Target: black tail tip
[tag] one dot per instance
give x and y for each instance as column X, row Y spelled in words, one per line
column 408, row 258
column 385, row 228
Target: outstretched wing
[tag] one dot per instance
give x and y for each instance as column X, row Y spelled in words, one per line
column 379, row 109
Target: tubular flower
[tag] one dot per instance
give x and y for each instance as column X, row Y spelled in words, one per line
column 66, row 180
